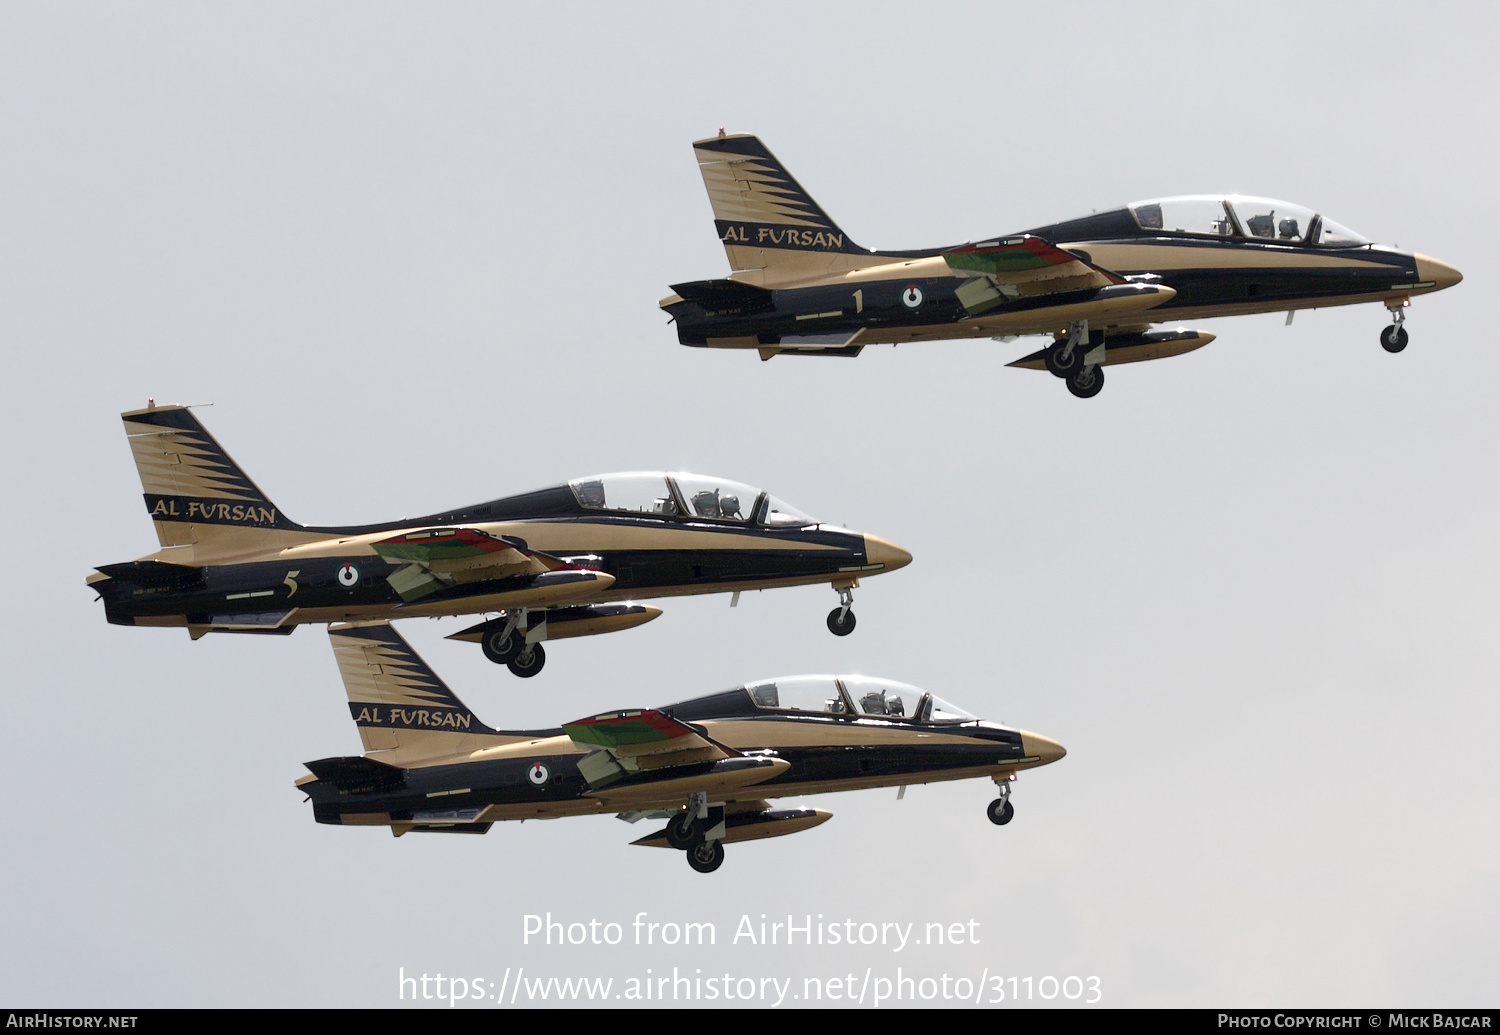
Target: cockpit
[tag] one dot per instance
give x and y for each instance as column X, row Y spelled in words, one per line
column 683, row 495
column 854, row 696
column 1237, row 216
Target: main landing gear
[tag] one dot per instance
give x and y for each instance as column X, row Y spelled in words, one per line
column 1001, row 811
column 507, row 646
column 841, row 618
column 688, row 832
column 1076, row 361
column 1393, row 338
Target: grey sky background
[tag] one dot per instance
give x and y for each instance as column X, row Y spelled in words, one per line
column 411, row 256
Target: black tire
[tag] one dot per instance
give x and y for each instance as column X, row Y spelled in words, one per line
column 1393, row 338
column 528, row 662
column 1000, row 813
column 706, row 857
column 500, row 647
column 1055, row 363
column 841, row 627
column 1087, row 383
column 684, row 831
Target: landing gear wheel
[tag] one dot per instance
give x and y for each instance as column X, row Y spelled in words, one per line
column 685, row 832
column 840, row 622
column 1393, row 338
column 706, row 857
column 1000, row 812
column 500, row 646
column 1063, row 367
column 1087, row 383
column 528, row 661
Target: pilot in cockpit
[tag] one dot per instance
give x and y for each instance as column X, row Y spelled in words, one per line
column 710, row 504
column 877, row 702
column 1261, row 226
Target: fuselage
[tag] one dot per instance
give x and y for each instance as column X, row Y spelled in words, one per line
column 535, row 773
column 897, row 297
column 336, row 574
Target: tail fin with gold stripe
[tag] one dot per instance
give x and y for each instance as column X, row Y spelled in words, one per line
column 406, row 715
column 196, row 495
column 764, row 218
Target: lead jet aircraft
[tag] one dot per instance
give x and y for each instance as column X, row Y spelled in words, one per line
column 799, row 286
column 707, row 766
column 558, row 562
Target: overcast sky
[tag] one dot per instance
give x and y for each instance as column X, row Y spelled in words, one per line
column 411, row 255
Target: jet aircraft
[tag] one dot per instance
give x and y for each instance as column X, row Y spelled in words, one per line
column 707, row 765
column 799, row 286
column 556, row 563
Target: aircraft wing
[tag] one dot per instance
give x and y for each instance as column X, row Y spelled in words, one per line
column 629, row 742
column 1017, row 267
column 436, row 557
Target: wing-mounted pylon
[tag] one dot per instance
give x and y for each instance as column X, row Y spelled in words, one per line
column 1018, row 267
column 439, row 557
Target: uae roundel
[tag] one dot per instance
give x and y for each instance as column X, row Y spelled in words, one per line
column 348, row 576
column 912, row 297
column 538, row 774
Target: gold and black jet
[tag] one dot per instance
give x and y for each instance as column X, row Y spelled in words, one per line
column 1097, row 285
column 708, row 766
column 555, row 563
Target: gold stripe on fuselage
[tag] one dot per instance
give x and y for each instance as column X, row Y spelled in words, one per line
column 783, row 731
column 1141, row 257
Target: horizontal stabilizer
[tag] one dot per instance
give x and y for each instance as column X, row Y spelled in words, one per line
column 358, row 775
column 725, row 295
column 155, row 574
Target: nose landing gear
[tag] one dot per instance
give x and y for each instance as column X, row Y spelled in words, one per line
column 1001, row 811
column 1393, row 338
column 841, row 618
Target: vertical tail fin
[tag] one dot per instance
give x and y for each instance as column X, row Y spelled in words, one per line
column 195, row 493
column 765, row 220
column 405, row 713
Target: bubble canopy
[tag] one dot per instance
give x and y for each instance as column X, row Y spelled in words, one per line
column 863, row 696
column 683, row 495
column 1239, row 216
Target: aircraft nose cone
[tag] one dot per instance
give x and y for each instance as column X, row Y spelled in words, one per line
column 883, row 551
column 1440, row 273
column 1045, row 748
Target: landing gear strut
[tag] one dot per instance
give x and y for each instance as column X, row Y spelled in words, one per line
column 1066, row 357
column 685, row 830
column 841, row 618
column 517, row 644
column 1393, row 338
column 1001, row 811
column 503, row 644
